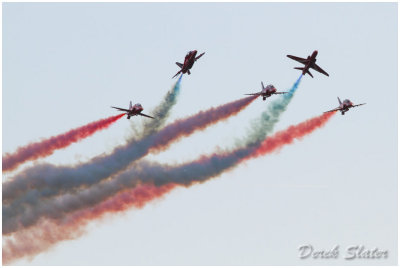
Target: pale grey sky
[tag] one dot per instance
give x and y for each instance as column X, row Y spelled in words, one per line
column 64, row 65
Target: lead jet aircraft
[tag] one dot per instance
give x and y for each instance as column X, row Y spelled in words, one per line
column 266, row 92
column 308, row 63
column 190, row 58
column 133, row 110
column 344, row 106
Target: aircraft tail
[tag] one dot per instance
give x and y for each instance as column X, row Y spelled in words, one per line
column 130, row 105
column 340, row 102
column 262, row 85
column 179, row 64
column 302, row 69
column 177, row 74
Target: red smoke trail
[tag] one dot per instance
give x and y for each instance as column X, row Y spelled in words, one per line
column 31, row 241
column 46, row 147
column 186, row 126
column 146, row 192
column 288, row 135
column 92, row 172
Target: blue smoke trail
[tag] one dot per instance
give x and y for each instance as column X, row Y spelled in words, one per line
column 294, row 88
column 265, row 124
column 162, row 111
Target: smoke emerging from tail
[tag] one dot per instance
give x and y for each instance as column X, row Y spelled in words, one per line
column 200, row 170
column 162, row 111
column 46, row 147
column 207, row 167
column 103, row 165
column 201, row 120
column 147, row 181
column 67, row 181
column 268, row 119
column 289, row 135
column 18, row 214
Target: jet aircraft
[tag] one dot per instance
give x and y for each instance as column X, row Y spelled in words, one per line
column 190, row 58
column 344, row 106
column 133, row 110
column 308, row 63
column 266, row 92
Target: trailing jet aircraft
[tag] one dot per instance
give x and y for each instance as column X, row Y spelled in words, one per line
column 344, row 106
column 190, row 58
column 308, row 63
column 266, row 92
column 133, row 110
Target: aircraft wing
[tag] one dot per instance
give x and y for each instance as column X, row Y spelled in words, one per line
column 121, row 109
column 357, row 105
column 301, row 60
column 254, row 94
column 198, row 57
column 319, row 69
column 334, row 110
column 145, row 115
column 281, row 92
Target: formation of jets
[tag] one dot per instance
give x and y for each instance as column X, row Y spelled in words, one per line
column 265, row 92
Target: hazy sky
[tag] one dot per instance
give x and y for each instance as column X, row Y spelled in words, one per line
column 64, row 65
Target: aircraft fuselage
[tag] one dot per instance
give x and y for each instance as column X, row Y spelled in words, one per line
column 135, row 110
column 268, row 91
column 189, row 61
column 312, row 59
column 345, row 106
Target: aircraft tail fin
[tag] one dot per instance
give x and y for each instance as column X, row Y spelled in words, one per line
column 302, row 69
column 177, row 74
column 340, row 102
column 262, row 85
column 130, row 105
column 179, row 64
